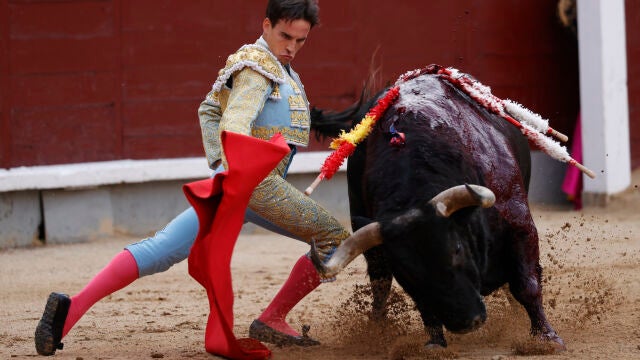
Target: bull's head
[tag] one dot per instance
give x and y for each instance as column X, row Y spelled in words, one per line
column 430, row 255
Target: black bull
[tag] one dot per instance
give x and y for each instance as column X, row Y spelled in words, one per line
column 444, row 243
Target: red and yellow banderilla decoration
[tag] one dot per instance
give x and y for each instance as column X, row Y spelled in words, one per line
column 346, row 143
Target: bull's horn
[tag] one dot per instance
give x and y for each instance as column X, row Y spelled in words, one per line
column 360, row 241
column 461, row 196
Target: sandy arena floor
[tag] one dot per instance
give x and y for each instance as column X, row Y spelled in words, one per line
column 591, row 263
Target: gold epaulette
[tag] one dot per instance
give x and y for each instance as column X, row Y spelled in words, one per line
column 254, row 56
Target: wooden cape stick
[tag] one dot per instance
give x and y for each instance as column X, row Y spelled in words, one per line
column 346, row 143
column 314, row 184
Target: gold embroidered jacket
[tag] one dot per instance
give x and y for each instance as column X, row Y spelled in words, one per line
column 254, row 95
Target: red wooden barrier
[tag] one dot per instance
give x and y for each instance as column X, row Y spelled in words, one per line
column 112, row 79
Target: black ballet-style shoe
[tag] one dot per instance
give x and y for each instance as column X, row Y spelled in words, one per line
column 49, row 330
column 263, row 332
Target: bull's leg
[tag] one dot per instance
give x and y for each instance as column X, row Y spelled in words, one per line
column 526, row 287
column 528, row 292
column 436, row 337
column 380, row 278
column 433, row 328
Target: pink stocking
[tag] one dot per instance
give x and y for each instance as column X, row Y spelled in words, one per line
column 120, row 272
column 302, row 280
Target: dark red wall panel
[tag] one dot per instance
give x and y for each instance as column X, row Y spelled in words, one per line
column 64, row 81
column 77, row 133
column 99, row 80
column 633, row 74
column 62, row 36
column 35, row 56
column 177, row 117
column 167, row 81
column 5, row 103
column 62, row 89
column 61, row 19
column 151, row 147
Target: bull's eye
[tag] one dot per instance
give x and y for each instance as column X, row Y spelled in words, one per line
column 458, row 248
column 456, row 258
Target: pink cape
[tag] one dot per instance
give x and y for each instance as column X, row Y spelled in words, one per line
column 572, row 183
column 220, row 203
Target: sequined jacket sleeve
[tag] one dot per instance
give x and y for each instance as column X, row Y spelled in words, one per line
column 210, row 114
column 248, row 95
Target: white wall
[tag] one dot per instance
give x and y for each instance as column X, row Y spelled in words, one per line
column 603, row 95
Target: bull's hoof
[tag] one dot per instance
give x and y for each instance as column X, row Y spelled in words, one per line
column 434, row 346
column 554, row 341
column 436, row 342
column 436, row 338
column 542, row 344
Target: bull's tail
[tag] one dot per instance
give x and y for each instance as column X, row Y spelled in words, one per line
column 329, row 124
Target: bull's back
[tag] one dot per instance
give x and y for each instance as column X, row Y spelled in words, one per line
column 450, row 140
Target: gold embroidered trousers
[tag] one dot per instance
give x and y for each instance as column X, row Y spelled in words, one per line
column 281, row 203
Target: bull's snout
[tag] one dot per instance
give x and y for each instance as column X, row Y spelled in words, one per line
column 470, row 326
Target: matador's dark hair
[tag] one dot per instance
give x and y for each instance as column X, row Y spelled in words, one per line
column 289, row 10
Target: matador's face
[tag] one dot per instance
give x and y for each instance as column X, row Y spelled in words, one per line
column 286, row 38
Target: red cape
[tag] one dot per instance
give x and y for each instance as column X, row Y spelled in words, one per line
column 220, row 203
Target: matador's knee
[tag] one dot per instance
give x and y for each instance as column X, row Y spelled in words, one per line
column 279, row 202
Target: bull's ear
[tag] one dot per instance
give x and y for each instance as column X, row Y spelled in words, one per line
column 360, row 221
column 408, row 217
